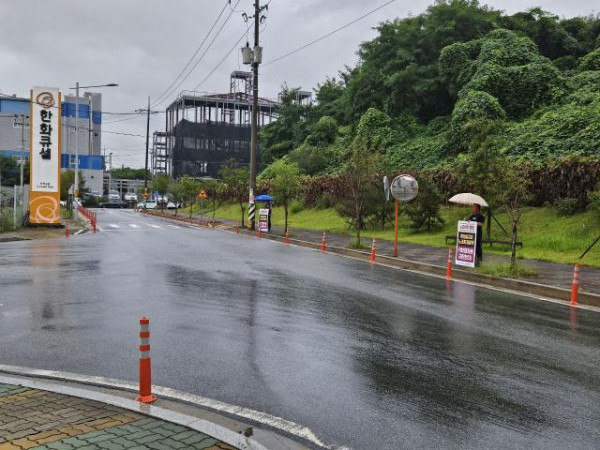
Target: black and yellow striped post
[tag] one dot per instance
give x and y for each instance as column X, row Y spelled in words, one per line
column 251, row 215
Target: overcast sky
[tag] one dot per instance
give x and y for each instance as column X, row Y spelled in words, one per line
column 144, row 44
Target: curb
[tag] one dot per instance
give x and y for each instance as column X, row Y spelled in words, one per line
column 277, row 433
column 527, row 287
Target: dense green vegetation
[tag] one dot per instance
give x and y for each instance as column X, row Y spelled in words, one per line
column 465, row 97
column 547, row 235
column 428, row 83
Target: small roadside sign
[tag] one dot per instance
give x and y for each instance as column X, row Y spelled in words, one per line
column 466, row 244
column 202, row 195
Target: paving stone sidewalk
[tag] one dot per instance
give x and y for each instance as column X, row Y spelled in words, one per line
column 37, row 419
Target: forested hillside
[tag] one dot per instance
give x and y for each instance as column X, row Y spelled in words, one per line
column 436, row 88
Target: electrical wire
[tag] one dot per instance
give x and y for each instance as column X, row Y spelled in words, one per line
column 227, row 3
column 235, row 46
column 172, row 89
column 328, row 34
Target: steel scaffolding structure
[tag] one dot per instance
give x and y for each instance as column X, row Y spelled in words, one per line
column 160, row 159
column 205, row 131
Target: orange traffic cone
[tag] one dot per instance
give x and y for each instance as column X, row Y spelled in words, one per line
column 575, row 286
column 449, row 265
column 372, row 258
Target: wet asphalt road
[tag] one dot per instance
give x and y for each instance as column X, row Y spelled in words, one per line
column 367, row 357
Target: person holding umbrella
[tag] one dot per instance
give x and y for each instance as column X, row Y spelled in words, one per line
column 467, row 198
column 476, row 216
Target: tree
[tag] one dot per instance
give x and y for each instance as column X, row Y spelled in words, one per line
column 160, row 184
column 289, row 131
column 512, row 191
column 285, row 184
column 189, row 189
column 213, row 189
column 424, row 211
column 235, row 183
column 177, row 193
column 362, row 167
column 67, row 179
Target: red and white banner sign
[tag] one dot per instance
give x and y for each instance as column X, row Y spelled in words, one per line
column 466, row 244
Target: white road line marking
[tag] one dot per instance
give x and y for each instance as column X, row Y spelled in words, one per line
column 151, row 225
column 133, row 225
column 173, row 226
column 99, row 229
column 112, row 225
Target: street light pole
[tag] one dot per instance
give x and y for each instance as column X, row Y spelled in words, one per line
column 76, row 187
column 76, row 183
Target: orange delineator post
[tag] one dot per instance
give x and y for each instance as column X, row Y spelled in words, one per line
column 287, row 238
column 575, row 286
column 237, row 229
column 259, row 233
column 449, row 265
column 396, row 212
column 372, row 258
column 66, row 230
column 145, row 372
column 323, row 243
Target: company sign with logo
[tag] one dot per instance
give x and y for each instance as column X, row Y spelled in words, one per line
column 44, row 201
column 466, row 242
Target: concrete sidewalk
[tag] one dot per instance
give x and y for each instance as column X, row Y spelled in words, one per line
column 39, row 419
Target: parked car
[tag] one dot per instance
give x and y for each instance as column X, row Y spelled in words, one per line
column 149, row 204
column 131, row 197
column 113, row 196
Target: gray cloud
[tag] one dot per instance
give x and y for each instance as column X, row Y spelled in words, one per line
column 143, row 45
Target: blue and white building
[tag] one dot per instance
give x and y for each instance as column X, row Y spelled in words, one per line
column 15, row 134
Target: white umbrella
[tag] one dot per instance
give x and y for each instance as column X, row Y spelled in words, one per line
column 466, row 198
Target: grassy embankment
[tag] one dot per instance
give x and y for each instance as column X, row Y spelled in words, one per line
column 545, row 234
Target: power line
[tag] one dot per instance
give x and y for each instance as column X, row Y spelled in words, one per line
column 329, row 34
column 171, row 91
column 228, row 2
column 235, row 46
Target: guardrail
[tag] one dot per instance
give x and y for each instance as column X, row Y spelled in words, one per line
column 89, row 215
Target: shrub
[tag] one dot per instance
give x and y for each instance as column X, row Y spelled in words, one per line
column 594, row 200
column 424, row 211
column 326, row 200
column 296, row 207
column 567, row 206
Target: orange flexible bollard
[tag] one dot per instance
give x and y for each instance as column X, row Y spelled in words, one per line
column 287, row 238
column 323, row 243
column 67, row 232
column 575, row 286
column 237, row 229
column 259, row 233
column 449, row 265
column 145, row 371
column 372, row 258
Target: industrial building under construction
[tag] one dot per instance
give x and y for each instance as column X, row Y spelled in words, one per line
column 205, row 131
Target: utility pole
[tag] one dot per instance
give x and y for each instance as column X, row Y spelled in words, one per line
column 109, row 173
column 147, row 147
column 254, row 57
column 76, row 182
